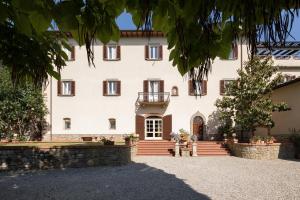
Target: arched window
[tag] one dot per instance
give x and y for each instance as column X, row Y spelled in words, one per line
column 174, row 91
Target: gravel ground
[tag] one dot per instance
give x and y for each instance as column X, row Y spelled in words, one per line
column 161, row 178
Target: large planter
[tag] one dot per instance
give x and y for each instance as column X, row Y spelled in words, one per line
column 263, row 151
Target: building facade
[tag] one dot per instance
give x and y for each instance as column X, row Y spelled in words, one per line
column 134, row 88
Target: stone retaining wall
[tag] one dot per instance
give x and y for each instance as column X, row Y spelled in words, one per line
column 25, row 157
column 263, row 151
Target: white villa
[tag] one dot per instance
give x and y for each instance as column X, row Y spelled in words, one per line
column 134, row 88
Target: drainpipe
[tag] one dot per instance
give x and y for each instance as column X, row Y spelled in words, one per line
column 241, row 53
column 50, row 109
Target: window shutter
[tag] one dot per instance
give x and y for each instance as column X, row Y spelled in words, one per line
column 140, row 126
column 118, row 88
column 167, row 127
column 160, row 56
column 235, row 51
column 222, row 87
column 161, row 89
column 104, row 88
column 73, row 53
column 145, row 89
column 73, row 88
column 204, row 87
column 191, row 88
column 161, row 86
column 118, row 52
column 104, row 52
column 145, row 86
column 146, row 52
column 58, row 88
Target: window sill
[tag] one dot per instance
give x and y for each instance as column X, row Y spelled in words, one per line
column 112, row 95
column 63, row 95
column 117, row 59
column 149, row 59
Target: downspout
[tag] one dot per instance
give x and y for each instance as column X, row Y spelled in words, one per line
column 50, row 109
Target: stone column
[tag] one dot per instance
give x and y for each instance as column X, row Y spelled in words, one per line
column 194, row 149
column 177, row 153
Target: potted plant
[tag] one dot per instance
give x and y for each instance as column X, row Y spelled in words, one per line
column 106, row 141
column 270, row 140
column 131, row 139
column 183, row 136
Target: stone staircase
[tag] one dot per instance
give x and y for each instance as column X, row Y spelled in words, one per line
column 167, row 148
column 212, row 148
column 155, row 148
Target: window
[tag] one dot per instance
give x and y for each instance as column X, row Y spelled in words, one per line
column 234, row 52
column 199, row 89
column 153, row 52
column 111, row 52
column 67, row 88
column 174, row 91
column 112, row 123
column 111, row 88
column 224, row 90
column 67, row 123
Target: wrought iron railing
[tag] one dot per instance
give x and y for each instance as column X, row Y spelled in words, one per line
column 153, row 97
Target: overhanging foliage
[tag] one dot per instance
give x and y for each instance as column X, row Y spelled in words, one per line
column 197, row 30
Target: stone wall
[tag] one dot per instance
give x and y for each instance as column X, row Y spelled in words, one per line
column 26, row 157
column 263, row 151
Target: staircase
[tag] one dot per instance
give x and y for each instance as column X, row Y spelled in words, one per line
column 155, row 148
column 212, row 148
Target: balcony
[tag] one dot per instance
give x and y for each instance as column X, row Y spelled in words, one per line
column 153, row 98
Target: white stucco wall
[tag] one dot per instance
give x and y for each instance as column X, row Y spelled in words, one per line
column 89, row 110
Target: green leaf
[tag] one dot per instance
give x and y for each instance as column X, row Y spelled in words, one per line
column 39, row 22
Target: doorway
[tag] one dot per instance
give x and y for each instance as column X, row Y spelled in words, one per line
column 198, row 124
column 153, row 126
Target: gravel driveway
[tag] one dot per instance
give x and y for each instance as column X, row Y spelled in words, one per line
column 161, row 178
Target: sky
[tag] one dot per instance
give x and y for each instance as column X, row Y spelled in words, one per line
column 124, row 22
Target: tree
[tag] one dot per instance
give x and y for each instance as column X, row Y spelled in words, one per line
column 197, row 31
column 249, row 104
column 22, row 109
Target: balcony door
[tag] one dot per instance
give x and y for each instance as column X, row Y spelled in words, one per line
column 153, row 128
column 153, row 90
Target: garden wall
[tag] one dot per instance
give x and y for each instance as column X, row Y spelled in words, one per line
column 26, row 157
column 263, row 151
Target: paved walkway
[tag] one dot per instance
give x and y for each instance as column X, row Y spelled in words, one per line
column 161, row 178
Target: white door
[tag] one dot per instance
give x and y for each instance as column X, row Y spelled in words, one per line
column 153, row 129
column 153, row 90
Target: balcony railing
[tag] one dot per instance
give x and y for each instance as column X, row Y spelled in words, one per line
column 153, row 98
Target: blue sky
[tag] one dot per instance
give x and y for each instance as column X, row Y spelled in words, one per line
column 124, row 21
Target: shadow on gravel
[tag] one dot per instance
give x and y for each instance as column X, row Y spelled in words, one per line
column 135, row 181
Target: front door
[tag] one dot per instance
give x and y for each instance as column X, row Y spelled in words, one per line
column 153, row 90
column 153, row 129
column 198, row 127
